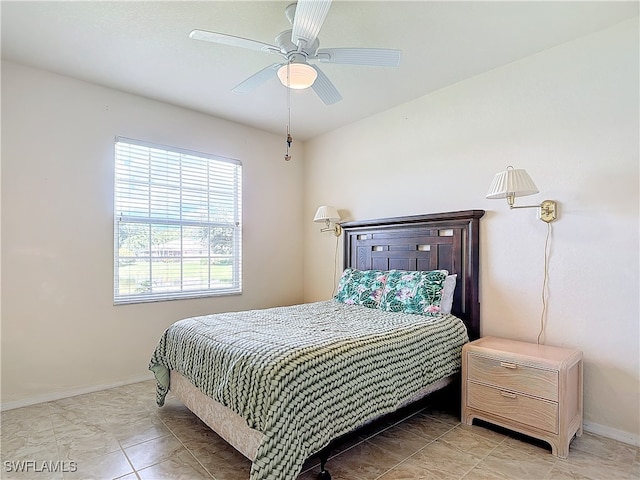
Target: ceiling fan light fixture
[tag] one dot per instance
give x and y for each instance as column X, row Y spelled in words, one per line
column 301, row 75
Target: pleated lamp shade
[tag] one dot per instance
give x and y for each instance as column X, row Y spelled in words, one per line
column 326, row 213
column 513, row 182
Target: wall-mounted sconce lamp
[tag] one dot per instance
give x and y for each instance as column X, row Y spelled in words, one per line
column 516, row 182
column 330, row 216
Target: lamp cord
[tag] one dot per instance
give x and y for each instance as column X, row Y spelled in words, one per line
column 545, row 281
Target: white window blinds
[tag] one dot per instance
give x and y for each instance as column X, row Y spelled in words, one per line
column 177, row 223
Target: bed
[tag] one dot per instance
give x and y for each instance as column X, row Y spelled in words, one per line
column 281, row 384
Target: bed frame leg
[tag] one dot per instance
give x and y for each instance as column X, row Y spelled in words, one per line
column 324, row 473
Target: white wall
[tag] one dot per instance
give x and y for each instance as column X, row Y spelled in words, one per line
column 569, row 116
column 61, row 333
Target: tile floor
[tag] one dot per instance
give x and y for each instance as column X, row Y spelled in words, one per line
column 121, row 434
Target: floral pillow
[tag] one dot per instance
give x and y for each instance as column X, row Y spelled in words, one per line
column 361, row 287
column 413, row 292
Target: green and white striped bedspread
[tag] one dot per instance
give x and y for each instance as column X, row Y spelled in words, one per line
column 305, row 374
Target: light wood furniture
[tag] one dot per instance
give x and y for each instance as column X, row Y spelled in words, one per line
column 532, row 389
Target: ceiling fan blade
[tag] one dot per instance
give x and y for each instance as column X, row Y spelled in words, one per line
column 233, row 41
column 257, row 79
column 308, row 20
column 375, row 57
column 325, row 89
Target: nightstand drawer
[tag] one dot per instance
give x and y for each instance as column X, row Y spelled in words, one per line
column 513, row 376
column 533, row 412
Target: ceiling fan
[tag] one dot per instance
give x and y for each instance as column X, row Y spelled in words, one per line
column 298, row 47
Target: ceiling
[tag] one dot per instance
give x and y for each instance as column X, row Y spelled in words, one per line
column 142, row 47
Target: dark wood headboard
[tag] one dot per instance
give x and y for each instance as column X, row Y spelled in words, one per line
column 448, row 241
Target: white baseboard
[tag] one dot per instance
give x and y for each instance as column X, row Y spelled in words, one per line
column 620, row 435
column 72, row 392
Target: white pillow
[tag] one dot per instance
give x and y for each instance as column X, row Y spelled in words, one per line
column 447, row 293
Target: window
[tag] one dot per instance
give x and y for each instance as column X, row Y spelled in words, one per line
column 177, row 223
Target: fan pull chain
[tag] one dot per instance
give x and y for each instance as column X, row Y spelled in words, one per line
column 287, row 157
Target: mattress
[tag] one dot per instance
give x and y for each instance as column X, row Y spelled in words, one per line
column 306, row 374
column 224, row 421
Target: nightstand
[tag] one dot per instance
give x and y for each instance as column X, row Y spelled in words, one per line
column 532, row 389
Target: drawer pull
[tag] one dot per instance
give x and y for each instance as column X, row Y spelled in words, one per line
column 507, row 394
column 508, row 365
